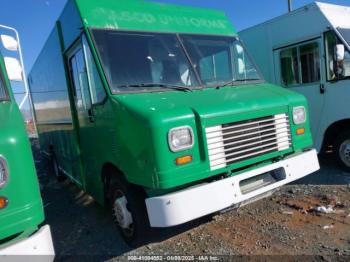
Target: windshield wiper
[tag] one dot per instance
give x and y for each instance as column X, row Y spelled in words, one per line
column 175, row 87
column 232, row 82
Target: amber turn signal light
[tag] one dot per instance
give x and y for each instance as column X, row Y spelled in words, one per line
column 183, row 160
column 3, row 202
column 300, row 131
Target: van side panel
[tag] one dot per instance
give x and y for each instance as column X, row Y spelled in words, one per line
column 50, row 96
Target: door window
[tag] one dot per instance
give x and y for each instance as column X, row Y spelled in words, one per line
column 310, row 63
column 3, row 91
column 300, row 64
column 96, row 87
column 336, row 70
column 289, row 66
column 80, row 80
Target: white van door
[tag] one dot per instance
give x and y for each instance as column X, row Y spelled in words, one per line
column 337, row 114
column 337, row 80
column 298, row 67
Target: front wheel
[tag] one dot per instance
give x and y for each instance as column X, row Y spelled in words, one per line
column 127, row 203
column 342, row 150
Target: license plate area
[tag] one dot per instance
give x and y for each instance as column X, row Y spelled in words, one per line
column 254, row 183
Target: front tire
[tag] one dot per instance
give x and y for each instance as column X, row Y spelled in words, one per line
column 342, row 150
column 127, row 203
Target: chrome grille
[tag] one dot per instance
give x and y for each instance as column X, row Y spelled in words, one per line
column 235, row 142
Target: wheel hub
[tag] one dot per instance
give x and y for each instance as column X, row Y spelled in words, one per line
column 121, row 212
column 344, row 152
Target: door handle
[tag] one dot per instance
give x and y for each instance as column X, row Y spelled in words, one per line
column 322, row 89
column 91, row 116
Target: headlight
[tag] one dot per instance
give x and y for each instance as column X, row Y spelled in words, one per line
column 3, row 172
column 299, row 115
column 180, row 138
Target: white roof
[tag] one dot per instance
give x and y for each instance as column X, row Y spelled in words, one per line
column 337, row 15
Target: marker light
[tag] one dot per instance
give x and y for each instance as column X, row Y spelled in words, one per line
column 180, row 138
column 183, row 160
column 299, row 115
column 3, row 202
column 300, row 131
column 3, row 172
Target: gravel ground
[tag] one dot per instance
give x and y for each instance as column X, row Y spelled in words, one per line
column 286, row 223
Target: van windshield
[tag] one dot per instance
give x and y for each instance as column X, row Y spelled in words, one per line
column 138, row 61
column 219, row 60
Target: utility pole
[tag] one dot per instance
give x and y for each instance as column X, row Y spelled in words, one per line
column 289, row 6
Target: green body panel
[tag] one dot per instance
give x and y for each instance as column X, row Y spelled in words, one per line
column 148, row 16
column 25, row 210
column 144, row 121
column 130, row 131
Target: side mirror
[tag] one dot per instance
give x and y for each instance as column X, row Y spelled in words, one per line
column 9, row 42
column 340, row 52
column 14, row 69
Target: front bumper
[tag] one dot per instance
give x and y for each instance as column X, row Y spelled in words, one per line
column 39, row 243
column 185, row 205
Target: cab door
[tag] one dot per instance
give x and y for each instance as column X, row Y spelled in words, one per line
column 83, row 108
column 298, row 67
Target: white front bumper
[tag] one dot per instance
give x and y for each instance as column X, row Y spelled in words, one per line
column 39, row 244
column 183, row 206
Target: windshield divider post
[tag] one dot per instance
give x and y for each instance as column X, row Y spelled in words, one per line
column 190, row 60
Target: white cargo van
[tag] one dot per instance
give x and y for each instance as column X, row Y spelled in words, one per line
column 308, row 50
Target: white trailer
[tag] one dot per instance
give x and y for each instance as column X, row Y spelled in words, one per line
column 308, row 51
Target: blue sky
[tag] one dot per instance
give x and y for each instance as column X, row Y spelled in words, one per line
column 34, row 19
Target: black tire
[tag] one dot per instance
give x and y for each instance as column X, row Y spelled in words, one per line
column 138, row 233
column 60, row 177
column 342, row 150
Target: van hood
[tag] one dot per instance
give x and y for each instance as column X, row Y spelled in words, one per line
column 143, row 121
column 210, row 102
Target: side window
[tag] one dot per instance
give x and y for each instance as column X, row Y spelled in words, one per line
column 80, row 80
column 97, row 91
column 346, row 64
column 335, row 69
column 300, row 64
column 290, row 67
column 77, row 90
column 3, row 91
column 310, row 63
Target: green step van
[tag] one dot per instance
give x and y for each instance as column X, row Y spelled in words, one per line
column 21, row 209
column 159, row 113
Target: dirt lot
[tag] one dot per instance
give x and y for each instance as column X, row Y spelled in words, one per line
column 287, row 223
